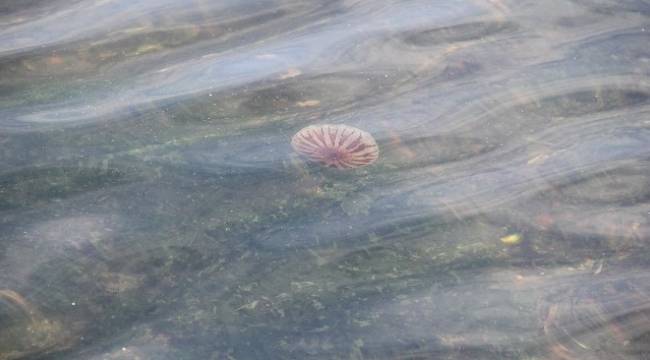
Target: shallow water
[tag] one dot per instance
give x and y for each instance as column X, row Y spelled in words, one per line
column 151, row 206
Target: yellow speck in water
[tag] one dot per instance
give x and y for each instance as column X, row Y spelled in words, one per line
column 307, row 103
column 148, row 48
column 291, row 73
column 512, row 239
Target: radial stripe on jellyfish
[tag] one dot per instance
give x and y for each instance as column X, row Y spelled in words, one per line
column 339, row 146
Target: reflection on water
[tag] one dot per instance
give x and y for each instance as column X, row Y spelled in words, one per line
column 151, row 206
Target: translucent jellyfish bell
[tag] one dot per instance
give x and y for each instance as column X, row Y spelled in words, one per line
column 339, row 146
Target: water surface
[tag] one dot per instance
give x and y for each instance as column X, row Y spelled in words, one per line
column 151, row 206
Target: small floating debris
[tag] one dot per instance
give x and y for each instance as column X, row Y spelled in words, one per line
column 291, row 73
column 339, row 146
column 307, row 103
column 512, row 239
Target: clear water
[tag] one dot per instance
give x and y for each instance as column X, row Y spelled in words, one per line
column 151, row 206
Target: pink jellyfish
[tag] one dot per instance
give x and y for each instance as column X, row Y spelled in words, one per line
column 339, row 146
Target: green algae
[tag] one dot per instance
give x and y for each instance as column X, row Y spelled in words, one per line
column 31, row 187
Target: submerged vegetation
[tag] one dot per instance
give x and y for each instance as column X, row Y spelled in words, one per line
column 152, row 206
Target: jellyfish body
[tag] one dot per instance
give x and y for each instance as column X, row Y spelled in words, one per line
column 339, row 146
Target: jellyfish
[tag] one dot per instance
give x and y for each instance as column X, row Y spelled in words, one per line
column 338, row 146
